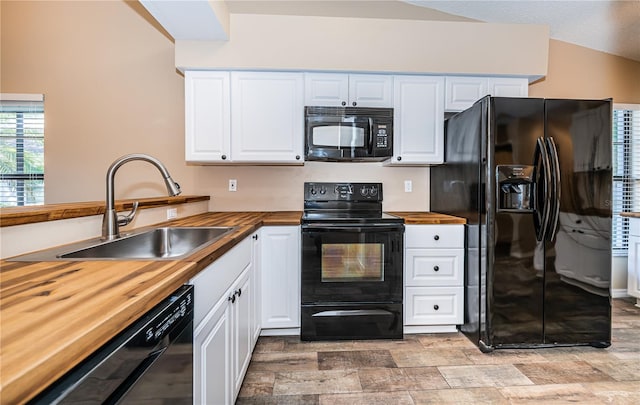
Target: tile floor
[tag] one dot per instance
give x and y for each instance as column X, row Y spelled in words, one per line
column 445, row 369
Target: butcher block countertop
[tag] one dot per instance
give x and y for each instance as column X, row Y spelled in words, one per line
column 630, row 214
column 54, row 314
column 427, row 218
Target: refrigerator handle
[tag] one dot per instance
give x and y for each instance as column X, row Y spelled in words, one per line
column 555, row 178
column 543, row 222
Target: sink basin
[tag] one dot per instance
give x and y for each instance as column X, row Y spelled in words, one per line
column 155, row 244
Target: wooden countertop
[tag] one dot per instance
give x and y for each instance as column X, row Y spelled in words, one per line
column 54, row 314
column 10, row 216
column 427, row 218
column 630, row 214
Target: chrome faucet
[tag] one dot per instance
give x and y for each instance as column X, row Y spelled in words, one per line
column 111, row 221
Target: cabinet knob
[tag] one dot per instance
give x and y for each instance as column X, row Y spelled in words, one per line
column 344, row 103
column 436, row 237
column 232, row 299
column 255, row 237
column 297, row 157
column 436, row 268
column 436, row 307
column 399, row 158
column 239, row 292
column 224, row 157
column 354, row 104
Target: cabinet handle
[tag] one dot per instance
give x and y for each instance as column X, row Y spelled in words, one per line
column 436, row 307
column 436, row 268
column 436, row 237
column 399, row 158
column 297, row 157
column 232, row 299
column 224, row 157
column 255, row 237
column 344, row 103
column 239, row 292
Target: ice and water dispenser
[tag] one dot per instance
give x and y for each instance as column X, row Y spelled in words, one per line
column 516, row 188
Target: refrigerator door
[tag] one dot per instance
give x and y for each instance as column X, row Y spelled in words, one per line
column 515, row 265
column 455, row 189
column 577, row 301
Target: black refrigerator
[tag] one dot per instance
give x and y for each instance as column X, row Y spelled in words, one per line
column 533, row 178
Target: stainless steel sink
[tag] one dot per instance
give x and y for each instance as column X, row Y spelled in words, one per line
column 166, row 243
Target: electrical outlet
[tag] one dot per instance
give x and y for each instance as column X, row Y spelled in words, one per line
column 233, row 185
column 172, row 213
column 408, row 186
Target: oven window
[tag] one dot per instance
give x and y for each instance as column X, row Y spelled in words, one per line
column 348, row 262
column 342, row 136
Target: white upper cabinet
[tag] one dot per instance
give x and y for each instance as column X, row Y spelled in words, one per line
column 244, row 117
column 207, row 116
column 267, row 117
column 462, row 91
column 348, row 90
column 418, row 120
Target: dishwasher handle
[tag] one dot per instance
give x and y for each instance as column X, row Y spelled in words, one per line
column 133, row 377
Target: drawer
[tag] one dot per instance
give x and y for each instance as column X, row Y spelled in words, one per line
column 434, row 236
column 433, row 267
column 433, row 305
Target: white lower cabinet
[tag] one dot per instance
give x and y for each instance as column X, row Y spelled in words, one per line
column 280, row 280
column 433, row 278
column 224, row 331
column 633, row 264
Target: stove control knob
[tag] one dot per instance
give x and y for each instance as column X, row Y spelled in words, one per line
column 374, row 191
column 312, row 191
column 323, row 190
column 364, row 191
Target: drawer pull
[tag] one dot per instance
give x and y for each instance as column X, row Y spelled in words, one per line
column 436, row 307
column 232, row 299
column 239, row 292
column 436, row 268
column 436, row 237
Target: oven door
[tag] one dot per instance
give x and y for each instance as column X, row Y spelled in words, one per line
column 352, row 264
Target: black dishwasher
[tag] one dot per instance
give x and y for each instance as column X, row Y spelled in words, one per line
column 149, row 362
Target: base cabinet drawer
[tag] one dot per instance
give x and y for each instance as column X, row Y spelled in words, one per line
column 433, row 305
column 433, row 267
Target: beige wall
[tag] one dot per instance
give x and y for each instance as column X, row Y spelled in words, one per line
column 369, row 44
column 111, row 88
column 578, row 72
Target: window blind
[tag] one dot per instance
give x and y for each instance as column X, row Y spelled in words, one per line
column 626, row 172
column 21, row 149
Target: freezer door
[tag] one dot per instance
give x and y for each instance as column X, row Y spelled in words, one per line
column 515, row 264
column 577, row 303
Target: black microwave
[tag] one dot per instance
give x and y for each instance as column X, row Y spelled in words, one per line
column 348, row 133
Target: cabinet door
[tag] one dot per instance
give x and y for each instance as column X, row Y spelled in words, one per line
column 280, row 276
column 207, row 116
column 267, row 117
column 508, row 87
column 633, row 259
column 370, row 91
column 461, row 92
column 326, row 89
column 256, row 299
column 418, row 120
column 212, row 350
column 242, row 332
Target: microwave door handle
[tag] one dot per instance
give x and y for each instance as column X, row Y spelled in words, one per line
column 370, row 136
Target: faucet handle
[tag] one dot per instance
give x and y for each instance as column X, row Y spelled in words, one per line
column 126, row 219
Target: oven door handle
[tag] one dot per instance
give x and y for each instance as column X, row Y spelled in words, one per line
column 357, row 228
column 353, row 312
